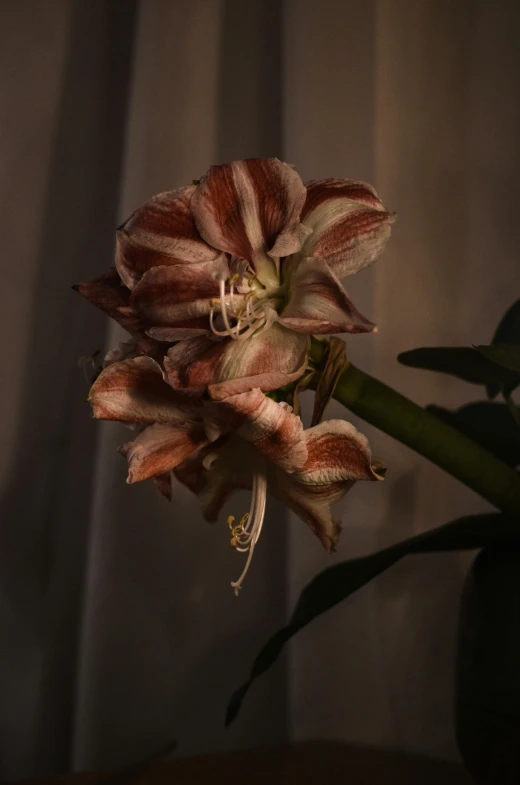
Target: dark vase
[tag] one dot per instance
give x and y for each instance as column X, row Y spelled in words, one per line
column 487, row 679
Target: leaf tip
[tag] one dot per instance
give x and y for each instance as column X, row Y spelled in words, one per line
column 235, row 704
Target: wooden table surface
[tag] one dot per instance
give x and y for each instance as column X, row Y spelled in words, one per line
column 312, row 763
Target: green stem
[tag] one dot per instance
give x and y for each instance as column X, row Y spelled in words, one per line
column 412, row 425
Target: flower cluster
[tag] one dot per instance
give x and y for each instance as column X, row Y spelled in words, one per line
column 220, row 285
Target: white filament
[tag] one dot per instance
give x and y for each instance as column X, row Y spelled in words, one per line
column 247, row 538
column 223, row 310
column 248, row 321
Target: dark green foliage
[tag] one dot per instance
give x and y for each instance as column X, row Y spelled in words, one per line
column 508, row 331
column 489, row 424
column 463, row 362
column 337, row 583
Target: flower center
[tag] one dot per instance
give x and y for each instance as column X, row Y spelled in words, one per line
column 245, row 534
column 251, row 312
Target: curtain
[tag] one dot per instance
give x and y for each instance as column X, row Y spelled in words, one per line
column 119, row 630
column 422, row 99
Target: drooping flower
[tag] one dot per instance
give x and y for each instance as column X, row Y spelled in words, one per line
column 246, row 440
column 251, row 252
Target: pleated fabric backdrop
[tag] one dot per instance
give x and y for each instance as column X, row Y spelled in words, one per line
column 118, row 628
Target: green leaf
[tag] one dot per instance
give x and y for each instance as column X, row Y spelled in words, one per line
column 460, row 361
column 488, row 424
column 507, row 355
column 340, row 581
column 504, row 354
column 487, row 681
column 508, row 331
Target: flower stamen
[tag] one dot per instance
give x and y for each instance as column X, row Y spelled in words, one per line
column 232, row 281
column 249, row 317
column 233, row 333
column 245, row 534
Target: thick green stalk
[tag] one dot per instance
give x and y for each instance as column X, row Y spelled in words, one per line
column 412, row 425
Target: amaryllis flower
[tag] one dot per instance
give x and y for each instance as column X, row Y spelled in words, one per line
column 250, row 252
column 245, row 441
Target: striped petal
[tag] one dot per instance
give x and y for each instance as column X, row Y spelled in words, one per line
column 270, row 428
column 159, row 448
column 336, row 452
column 350, row 226
column 252, row 208
column 318, row 303
column 109, row 294
column 309, row 470
column 266, row 361
column 135, row 391
column 161, row 232
column 337, row 456
column 167, row 295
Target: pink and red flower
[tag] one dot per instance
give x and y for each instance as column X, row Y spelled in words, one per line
column 221, row 285
column 246, row 441
column 242, row 268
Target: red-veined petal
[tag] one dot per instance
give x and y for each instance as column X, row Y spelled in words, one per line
column 336, row 452
column 266, row 361
column 269, row 427
column 350, row 226
column 166, row 295
column 252, row 208
column 318, row 303
column 161, row 447
column 135, row 391
column 337, row 456
column 161, row 232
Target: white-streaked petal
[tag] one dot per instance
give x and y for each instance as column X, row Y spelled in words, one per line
column 135, row 391
column 270, row 428
column 337, row 456
column 350, row 226
column 252, row 208
column 336, row 452
column 161, row 447
column 169, row 294
column 267, row 361
column 318, row 303
column 161, row 232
